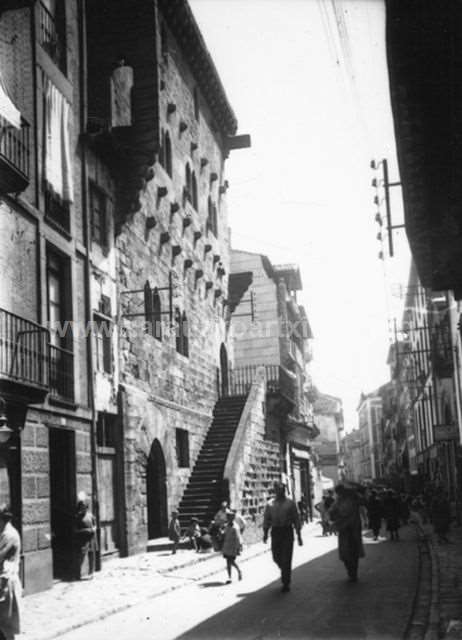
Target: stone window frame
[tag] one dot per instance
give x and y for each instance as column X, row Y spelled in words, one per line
column 182, row 447
column 212, row 217
column 103, row 331
column 181, row 332
column 101, row 238
column 165, row 152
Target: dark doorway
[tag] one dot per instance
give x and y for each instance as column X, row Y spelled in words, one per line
column 224, row 370
column 156, row 492
column 62, row 501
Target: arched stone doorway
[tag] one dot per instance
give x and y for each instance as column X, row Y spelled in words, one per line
column 156, row 492
column 224, row 370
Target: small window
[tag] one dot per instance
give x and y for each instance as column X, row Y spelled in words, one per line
column 106, row 430
column 165, row 153
column 103, row 337
column 182, row 447
column 194, row 191
column 196, row 103
column 188, row 185
column 153, row 311
column 212, row 219
column 98, row 213
column 181, row 330
column 156, row 315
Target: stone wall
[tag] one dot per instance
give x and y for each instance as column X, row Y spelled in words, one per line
column 163, row 389
column 254, row 462
column 256, row 342
column 36, row 499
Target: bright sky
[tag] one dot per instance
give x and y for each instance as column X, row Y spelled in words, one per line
column 317, row 108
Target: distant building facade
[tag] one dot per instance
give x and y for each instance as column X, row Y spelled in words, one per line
column 328, row 416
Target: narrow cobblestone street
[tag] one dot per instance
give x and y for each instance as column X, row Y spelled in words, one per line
column 193, row 601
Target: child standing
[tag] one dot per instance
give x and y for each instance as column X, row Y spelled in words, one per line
column 174, row 531
column 194, row 533
column 232, row 545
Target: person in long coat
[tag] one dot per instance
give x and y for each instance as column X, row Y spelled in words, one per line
column 346, row 518
column 391, row 512
column 281, row 516
column 374, row 513
column 10, row 585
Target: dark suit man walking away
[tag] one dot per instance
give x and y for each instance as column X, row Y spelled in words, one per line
column 281, row 516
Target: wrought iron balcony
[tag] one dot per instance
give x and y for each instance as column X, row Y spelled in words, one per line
column 52, row 37
column 14, row 156
column 23, row 356
column 61, row 373
column 240, row 379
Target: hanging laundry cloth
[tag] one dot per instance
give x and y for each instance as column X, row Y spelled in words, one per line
column 58, row 166
column 8, row 111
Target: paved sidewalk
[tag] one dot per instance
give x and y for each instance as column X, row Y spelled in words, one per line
column 449, row 560
column 122, row 583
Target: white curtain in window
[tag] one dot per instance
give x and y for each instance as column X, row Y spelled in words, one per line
column 58, row 167
column 7, row 109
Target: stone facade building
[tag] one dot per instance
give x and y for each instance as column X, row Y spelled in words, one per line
column 270, row 331
column 370, row 430
column 352, row 455
column 328, row 416
column 115, row 259
column 45, row 283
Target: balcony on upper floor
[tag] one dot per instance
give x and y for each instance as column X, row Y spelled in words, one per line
column 279, row 381
column 24, row 358
column 52, row 36
column 9, row 5
column 14, row 156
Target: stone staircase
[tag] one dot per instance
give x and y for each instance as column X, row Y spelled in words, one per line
column 204, row 491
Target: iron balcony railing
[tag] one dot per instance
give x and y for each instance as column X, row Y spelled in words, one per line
column 61, row 373
column 23, row 350
column 15, row 152
column 52, row 37
column 239, row 381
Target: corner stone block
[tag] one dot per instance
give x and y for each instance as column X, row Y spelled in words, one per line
column 35, row 461
column 41, row 436
column 44, row 538
column 29, row 487
column 36, row 512
column 43, row 487
column 28, row 435
column 29, row 540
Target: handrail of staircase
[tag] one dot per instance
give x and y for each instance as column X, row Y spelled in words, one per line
column 235, row 462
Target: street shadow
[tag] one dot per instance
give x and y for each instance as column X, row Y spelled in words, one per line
column 208, row 585
column 323, row 604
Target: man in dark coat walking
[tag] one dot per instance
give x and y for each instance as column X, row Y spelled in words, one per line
column 346, row 518
column 281, row 517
